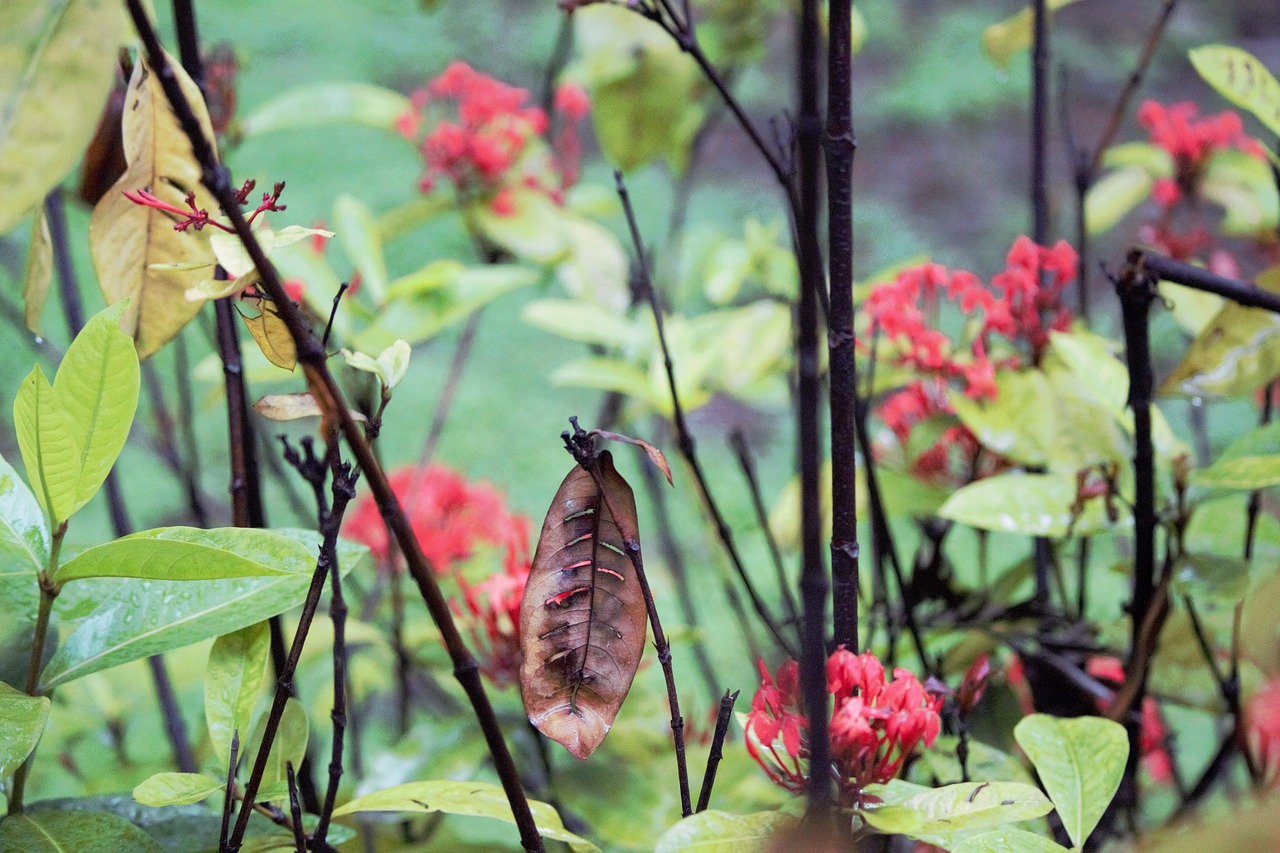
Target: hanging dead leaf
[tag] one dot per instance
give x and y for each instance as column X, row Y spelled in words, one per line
column 655, row 455
column 134, row 246
column 291, row 407
column 272, row 336
column 38, row 272
column 582, row 620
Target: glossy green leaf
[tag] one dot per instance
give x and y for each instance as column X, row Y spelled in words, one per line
column 191, row 554
column 73, row 831
column 37, row 273
column 960, row 807
column 1114, row 195
column 1093, row 360
column 1008, row 840
column 49, row 448
column 176, row 789
column 232, row 682
column 358, row 233
column 57, row 63
column 24, row 537
column 1211, row 577
column 1242, row 79
column 1017, row 423
column 1013, row 502
column 1004, row 40
column 289, row 747
column 713, row 831
column 328, row 103
column 1080, row 762
column 114, row 622
column 1237, row 353
column 97, row 387
column 1240, row 472
column 22, row 720
column 478, row 799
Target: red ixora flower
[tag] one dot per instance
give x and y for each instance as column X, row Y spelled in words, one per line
column 876, row 723
column 490, row 610
column 482, row 135
column 1022, row 305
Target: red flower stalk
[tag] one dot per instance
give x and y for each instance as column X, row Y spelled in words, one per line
column 482, row 141
column 876, row 724
column 197, row 218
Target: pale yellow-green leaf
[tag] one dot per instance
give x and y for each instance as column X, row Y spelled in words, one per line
column 1193, row 309
column 272, row 336
column 596, row 268
column 1114, row 196
column 1242, row 79
column 478, row 799
column 328, row 103
column 97, row 387
column 959, row 807
column 176, row 789
column 127, row 239
column 1004, row 40
column 57, row 62
column 288, row 407
column 214, row 288
column 50, row 451
column 232, row 682
column 714, row 831
column 362, row 241
column 37, row 273
column 393, row 363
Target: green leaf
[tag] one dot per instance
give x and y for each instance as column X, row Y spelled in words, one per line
column 232, row 682
column 73, row 831
column 176, row 789
column 24, row 537
column 713, row 831
column 1114, row 196
column 22, row 720
column 358, row 232
column 1193, row 309
column 191, row 554
column 1017, row 423
column 532, row 231
column 478, row 799
column 1093, row 361
column 57, row 63
column 1240, row 472
column 607, row 374
column 1235, row 354
column 959, row 807
column 289, row 747
column 97, row 387
column 1150, row 158
column 596, row 268
column 1080, row 762
column 37, row 273
column 1008, row 840
column 1004, row 40
column 1242, row 185
column 584, row 321
column 1211, row 577
column 47, row 440
column 1241, row 79
column 328, row 103
column 1013, row 502
column 114, row 623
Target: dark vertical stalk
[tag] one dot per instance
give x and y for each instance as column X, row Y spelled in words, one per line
column 1136, row 290
column 717, row 744
column 813, row 575
column 229, row 794
column 295, row 809
column 840, row 147
column 685, row 440
column 1039, row 120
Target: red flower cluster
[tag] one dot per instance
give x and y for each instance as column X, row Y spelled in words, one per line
column 1014, row 307
column 875, row 723
column 493, row 134
column 1263, row 723
column 450, row 518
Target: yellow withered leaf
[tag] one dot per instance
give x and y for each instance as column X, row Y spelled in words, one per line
column 135, row 248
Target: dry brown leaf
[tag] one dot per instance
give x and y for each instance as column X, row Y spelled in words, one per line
column 582, row 620
column 127, row 239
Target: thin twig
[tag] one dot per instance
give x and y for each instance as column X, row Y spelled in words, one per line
column 717, row 745
column 295, row 809
column 684, row 437
column 738, row 442
column 312, row 357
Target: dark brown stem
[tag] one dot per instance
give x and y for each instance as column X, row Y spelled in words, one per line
column 312, row 357
column 717, row 745
column 813, row 575
column 229, row 793
column 842, row 354
column 632, row 546
column 1167, row 269
column 684, row 437
column 295, row 810
column 1039, row 120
